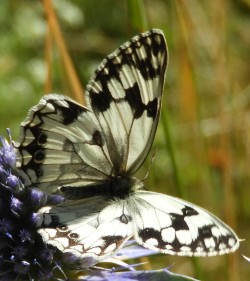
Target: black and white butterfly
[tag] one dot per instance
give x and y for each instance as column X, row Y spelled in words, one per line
column 90, row 154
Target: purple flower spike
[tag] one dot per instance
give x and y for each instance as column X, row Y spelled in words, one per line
column 26, row 236
column 12, row 181
column 55, row 199
column 34, row 219
column 17, row 207
column 7, row 152
column 3, row 172
column 37, row 198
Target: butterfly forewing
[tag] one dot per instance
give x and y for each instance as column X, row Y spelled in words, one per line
column 60, row 141
column 125, row 95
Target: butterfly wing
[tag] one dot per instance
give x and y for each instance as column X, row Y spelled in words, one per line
column 90, row 230
column 125, row 95
column 174, row 226
column 60, row 144
column 94, row 229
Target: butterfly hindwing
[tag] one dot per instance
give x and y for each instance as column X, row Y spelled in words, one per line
column 91, row 229
column 174, row 226
column 94, row 229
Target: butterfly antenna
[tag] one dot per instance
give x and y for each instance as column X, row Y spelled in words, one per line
column 150, row 164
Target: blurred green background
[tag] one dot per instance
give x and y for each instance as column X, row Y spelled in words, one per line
column 203, row 138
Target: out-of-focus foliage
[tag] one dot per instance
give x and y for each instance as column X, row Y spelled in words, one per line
column 203, row 138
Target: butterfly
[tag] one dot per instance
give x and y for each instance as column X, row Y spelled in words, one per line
column 90, row 155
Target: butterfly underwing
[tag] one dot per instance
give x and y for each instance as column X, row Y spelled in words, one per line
column 90, row 155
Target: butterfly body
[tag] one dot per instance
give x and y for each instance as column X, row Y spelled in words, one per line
column 119, row 187
column 90, row 154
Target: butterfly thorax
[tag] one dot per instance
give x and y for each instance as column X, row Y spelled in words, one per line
column 119, row 187
column 123, row 186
